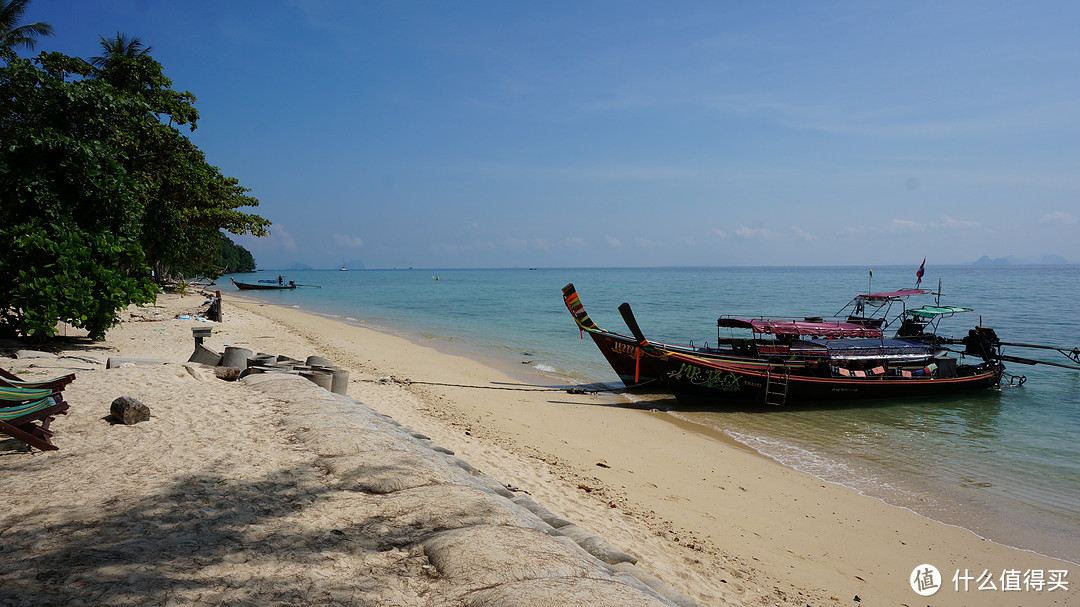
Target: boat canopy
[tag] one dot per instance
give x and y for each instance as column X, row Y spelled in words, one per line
column 937, row 311
column 800, row 328
column 865, row 349
column 892, row 295
column 884, row 299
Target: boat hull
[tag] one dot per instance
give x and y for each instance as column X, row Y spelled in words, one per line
column 633, row 367
column 244, row 286
column 625, row 356
column 688, row 376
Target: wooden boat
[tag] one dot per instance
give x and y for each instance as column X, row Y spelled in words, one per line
column 768, row 343
column 845, row 357
column 851, row 369
column 247, row 286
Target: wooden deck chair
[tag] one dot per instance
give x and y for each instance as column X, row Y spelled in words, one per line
column 26, row 413
column 10, row 380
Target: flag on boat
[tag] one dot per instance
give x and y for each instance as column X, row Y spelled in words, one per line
column 919, row 274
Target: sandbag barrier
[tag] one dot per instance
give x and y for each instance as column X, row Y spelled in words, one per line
column 488, row 546
column 236, row 362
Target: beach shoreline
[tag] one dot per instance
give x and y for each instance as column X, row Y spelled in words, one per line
column 719, row 523
column 693, row 522
column 896, row 491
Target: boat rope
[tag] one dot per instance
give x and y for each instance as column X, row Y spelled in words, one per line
column 1013, row 380
column 569, row 390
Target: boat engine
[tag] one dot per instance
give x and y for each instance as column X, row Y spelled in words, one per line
column 982, row 342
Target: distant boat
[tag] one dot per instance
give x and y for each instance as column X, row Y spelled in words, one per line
column 245, row 286
column 343, row 268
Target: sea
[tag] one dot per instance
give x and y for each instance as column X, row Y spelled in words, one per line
column 1004, row 464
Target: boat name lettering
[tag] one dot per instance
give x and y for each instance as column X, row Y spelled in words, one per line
column 715, row 378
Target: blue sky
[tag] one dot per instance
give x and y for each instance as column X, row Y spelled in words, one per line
column 563, row 134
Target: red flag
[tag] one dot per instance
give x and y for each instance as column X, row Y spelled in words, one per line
column 919, row 274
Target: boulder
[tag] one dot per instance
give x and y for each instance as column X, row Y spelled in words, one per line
column 128, row 411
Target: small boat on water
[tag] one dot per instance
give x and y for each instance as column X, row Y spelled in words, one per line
column 786, row 360
column 261, row 286
column 860, row 368
column 761, row 348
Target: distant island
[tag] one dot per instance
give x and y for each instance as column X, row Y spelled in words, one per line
column 1047, row 260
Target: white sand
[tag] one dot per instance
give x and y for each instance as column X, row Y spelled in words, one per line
column 214, row 500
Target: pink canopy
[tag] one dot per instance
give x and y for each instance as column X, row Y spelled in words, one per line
column 800, row 328
column 902, row 293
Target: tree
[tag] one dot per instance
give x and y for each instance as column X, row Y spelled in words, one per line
column 188, row 201
column 115, row 64
column 235, row 258
column 97, row 186
column 70, row 211
column 119, row 46
column 12, row 34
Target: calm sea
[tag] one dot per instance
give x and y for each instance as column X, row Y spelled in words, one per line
column 1005, row 464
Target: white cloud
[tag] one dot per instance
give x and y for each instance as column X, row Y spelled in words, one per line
column 280, row 238
column 719, row 233
column 906, row 225
column 612, row 241
column 750, row 233
column 575, row 241
column 1058, row 217
column 949, row 222
column 803, row 234
column 645, row 242
column 354, row 242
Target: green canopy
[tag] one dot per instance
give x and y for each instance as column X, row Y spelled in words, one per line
column 932, row 311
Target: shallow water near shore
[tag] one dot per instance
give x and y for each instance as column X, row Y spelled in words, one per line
column 1004, row 464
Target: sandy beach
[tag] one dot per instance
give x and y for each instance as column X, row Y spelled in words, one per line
column 224, row 497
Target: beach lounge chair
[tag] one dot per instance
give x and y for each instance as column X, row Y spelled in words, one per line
column 25, row 414
column 10, row 380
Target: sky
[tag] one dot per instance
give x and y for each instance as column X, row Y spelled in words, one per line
column 476, row 134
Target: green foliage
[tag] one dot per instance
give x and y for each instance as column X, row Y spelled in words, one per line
column 12, row 34
column 60, row 271
column 98, row 187
column 235, row 258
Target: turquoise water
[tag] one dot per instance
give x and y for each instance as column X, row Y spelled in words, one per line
column 1005, row 464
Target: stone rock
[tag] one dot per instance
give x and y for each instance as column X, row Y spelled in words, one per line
column 34, row 354
column 128, row 411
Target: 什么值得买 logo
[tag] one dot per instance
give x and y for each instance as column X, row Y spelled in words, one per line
column 925, row 580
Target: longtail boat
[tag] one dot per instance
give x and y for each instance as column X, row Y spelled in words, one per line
column 247, row 286
column 831, row 378
column 811, row 359
column 768, row 344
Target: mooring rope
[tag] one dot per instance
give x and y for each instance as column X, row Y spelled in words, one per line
column 571, row 390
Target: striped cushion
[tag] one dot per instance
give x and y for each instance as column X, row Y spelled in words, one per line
column 20, row 394
column 26, row 408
